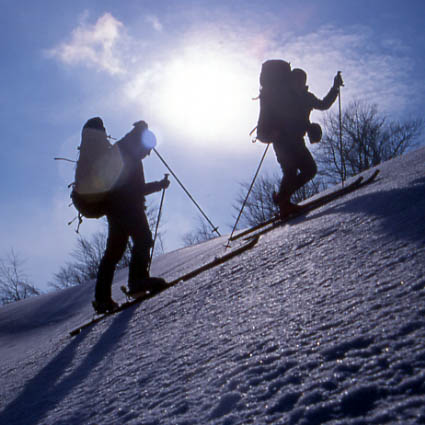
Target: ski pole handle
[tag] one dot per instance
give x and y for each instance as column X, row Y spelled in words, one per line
column 339, row 79
column 166, row 178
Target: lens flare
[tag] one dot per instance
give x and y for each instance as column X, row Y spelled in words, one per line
column 148, row 139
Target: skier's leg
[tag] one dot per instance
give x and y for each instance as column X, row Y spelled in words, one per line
column 115, row 247
column 140, row 253
column 298, row 168
column 138, row 275
column 288, row 182
column 306, row 165
column 287, row 161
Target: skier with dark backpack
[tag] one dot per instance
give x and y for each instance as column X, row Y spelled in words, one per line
column 284, row 120
column 110, row 181
column 98, row 166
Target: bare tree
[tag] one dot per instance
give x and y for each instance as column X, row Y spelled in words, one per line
column 260, row 205
column 87, row 256
column 86, row 259
column 67, row 276
column 14, row 285
column 368, row 138
column 258, row 208
column 200, row 234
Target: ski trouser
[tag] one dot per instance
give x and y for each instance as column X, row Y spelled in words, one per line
column 297, row 163
column 121, row 227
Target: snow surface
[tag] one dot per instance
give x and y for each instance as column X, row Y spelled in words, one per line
column 321, row 322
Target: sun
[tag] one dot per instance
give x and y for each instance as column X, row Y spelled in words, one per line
column 206, row 95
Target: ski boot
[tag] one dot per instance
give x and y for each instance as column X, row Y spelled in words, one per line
column 149, row 285
column 287, row 209
column 106, row 306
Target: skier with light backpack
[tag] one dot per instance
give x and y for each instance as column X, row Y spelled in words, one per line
column 284, row 120
column 109, row 180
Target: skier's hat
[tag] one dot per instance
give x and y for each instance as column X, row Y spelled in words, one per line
column 95, row 123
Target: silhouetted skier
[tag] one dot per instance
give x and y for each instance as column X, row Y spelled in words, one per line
column 295, row 159
column 125, row 211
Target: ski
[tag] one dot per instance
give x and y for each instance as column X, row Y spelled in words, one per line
column 308, row 206
column 316, row 204
column 147, row 295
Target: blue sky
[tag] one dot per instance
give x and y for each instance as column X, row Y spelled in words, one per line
column 190, row 69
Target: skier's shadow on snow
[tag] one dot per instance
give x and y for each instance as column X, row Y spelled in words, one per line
column 46, row 390
column 402, row 210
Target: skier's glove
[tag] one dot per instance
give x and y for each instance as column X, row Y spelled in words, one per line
column 164, row 183
column 338, row 80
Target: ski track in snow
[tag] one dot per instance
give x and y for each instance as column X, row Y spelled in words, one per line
column 321, row 322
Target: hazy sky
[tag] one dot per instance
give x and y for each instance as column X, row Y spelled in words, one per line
column 190, row 69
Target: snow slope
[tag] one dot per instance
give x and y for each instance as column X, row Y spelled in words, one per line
column 321, row 322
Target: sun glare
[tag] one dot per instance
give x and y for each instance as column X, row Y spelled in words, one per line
column 205, row 96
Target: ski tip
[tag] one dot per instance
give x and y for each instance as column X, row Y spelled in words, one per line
column 375, row 173
column 372, row 177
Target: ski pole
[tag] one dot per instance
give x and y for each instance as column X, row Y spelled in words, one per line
column 214, row 228
column 343, row 170
column 249, row 191
column 157, row 222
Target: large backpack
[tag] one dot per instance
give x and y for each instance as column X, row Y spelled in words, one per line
column 274, row 97
column 98, row 168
